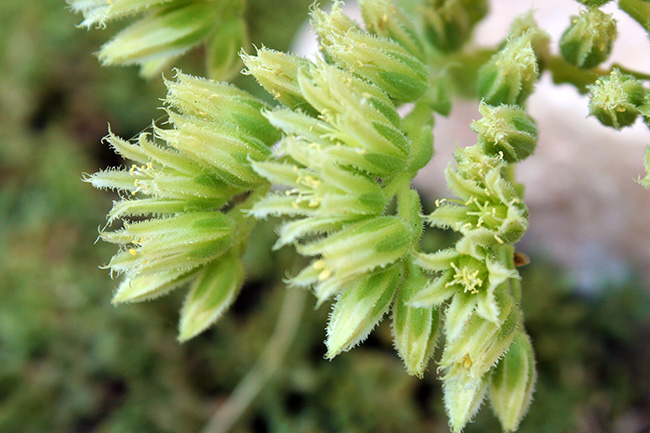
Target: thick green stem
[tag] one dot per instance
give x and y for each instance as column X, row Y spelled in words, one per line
column 565, row 73
column 267, row 364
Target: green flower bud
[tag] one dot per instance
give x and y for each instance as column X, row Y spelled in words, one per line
column 507, row 131
column 210, row 295
column 223, row 103
column 509, row 76
column 359, row 308
column 376, row 59
column 449, row 23
column 616, row 100
column 385, row 18
column 223, row 46
column 359, row 120
column 588, row 40
column 513, row 382
column 359, row 248
column 463, row 396
column 480, row 343
column 334, row 93
column 172, row 179
column 540, row 40
column 328, row 191
column 98, row 12
column 415, row 330
column 147, row 287
column 162, row 245
column 277, row 72
column 184, row 26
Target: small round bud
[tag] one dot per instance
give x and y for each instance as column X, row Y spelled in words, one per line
column 509, row 76
column 540, row 40
column 615, row 100
column 277, row 72
column 449, row 23
column 376, row 59
column 588, row 40
column 506, row 130
column 513, row 382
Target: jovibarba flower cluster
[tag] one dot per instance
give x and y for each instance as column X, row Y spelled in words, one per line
column 192, row 181
column 335, row 159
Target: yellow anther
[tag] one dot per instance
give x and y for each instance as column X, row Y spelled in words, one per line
column 467, row 361
column 498, row 239
column 327, row 272
column 133, row 251
column 318, row 264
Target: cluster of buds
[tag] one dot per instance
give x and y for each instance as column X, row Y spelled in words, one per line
column 330, row 167
column 476, row 281
column 341, row 156
column 168, row 28
column 344, row 145
column 588, row 40
column 180, row 177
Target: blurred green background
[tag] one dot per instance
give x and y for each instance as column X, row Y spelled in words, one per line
column 71, row 362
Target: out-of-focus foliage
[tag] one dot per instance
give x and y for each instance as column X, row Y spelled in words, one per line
column 70, row 362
